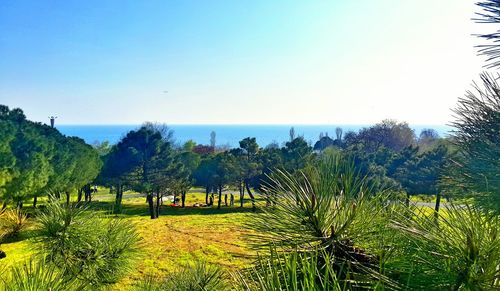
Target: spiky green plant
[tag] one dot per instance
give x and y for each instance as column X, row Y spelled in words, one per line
column 35, row 275
column 200, row 276
column 290, row 271
column 95, row 249
column 328, row 207
column 12, row 222
column 458, row 251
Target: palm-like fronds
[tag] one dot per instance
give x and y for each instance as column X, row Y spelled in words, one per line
column 490, row 15
column 328, row 207
column 461, row 250
column 477, row 168
column 86, row 246
column 290, row 271
column 200, row 276
column 35, row 275
column 12, row 222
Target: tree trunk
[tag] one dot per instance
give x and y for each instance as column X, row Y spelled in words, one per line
column 220, row 197
column 207, row 191
column 438, row 203
column 67, row 197
column 242, row 194
column 34, row 201
column 118, row 199
column 158, row 196
column 149, row 198
column 183, row 198
column 90, row 192
column 250, row 194
column 407, row 200
column 79, row 197
column 225, row 199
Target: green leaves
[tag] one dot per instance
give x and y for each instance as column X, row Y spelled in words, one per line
column 328, row 207
column 37, row 160
column 93, row 249
column 477, row 139
column 458, row 250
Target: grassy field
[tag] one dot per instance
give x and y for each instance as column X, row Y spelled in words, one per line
column 178, row 237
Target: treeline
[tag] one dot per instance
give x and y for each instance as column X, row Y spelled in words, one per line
column 147, row 161
column 36, row 160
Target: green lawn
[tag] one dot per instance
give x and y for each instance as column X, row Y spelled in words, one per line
column 178, row 237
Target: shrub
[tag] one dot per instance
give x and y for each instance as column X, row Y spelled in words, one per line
column 291, row 271
column 331, row 208
column 199, row 276
column 12, row 222
column 37, row 275
column 91, row 248
column 459, row 250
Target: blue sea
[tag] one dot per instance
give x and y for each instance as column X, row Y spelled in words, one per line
column 226, row 135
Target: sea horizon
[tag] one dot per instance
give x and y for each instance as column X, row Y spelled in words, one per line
column 226, row 134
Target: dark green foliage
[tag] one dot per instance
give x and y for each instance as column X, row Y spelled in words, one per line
column 291, row 271
column 37, row 160
column 145, row 161
column 477, row 139
column 328, row 207
column 460, row 250
column 12, row 222
column 323, row 143
column 389, row 133
column 93, row 249
column 35, row 275
column 296, row 154
column 200, row 276
column 490, row 15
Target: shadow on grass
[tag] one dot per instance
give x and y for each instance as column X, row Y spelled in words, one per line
column 23, row 235
column 142, row 210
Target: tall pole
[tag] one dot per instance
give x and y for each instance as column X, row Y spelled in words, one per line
column 52, row 121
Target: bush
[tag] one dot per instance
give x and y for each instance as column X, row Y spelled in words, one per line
column 330, row 208
column 200, row 276
column 458, row 250
column 37, row 275
column 291, row 271
column 12, row 222
column 94, row 249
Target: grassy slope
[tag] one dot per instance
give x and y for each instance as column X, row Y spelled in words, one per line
column 176, row 238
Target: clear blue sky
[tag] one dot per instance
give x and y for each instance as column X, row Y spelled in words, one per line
column 287, row 62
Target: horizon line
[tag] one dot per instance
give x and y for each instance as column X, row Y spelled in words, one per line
column 242, row 124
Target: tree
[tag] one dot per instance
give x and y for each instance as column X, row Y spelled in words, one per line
column 212, row 139
column 203, row 175
column 87, row 166
column 250, row 166
column 490, row 15
column 338, row 133
column 7, row 158
column 224, row 173
column 389, row 133
column 296, row 154
column 477, row 139
column 323, row 143
column 292, row 133
column 149, row 162
column 189, row 162
column 32, row 168
column 428, row 138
